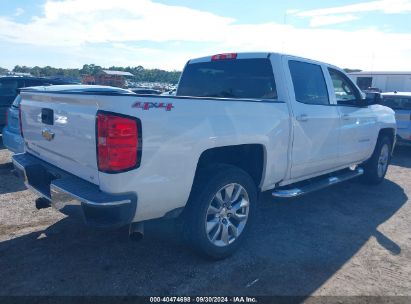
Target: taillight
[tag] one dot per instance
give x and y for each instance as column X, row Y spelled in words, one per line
column 20, row 122
column 118, row 144
column 226, row 56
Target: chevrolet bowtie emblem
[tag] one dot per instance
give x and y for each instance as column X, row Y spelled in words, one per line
column 47, row 134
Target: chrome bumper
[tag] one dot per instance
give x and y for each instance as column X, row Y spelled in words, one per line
column 62, row 188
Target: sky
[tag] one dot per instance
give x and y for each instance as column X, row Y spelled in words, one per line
column 368, row 35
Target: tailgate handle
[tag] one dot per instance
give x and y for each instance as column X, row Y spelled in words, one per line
column 47, row 116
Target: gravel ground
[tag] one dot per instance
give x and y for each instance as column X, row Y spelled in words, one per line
column 347, row 240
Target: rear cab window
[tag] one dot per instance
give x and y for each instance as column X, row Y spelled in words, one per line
column 233, row 78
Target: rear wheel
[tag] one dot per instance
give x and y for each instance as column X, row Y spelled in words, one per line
column 377, row 166
column 220, row 209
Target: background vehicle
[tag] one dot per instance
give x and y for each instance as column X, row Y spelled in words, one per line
column 383, row 81
column 9, row 86
column 143, row 91
column 372, row 90
column 12, row 138
column 400, row 102
column 11, row 132
column 239, row 124
column 170, row 93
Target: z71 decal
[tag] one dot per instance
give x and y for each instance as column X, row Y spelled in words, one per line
column 155, row 105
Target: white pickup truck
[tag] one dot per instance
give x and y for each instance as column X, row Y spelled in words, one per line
column 238, row 125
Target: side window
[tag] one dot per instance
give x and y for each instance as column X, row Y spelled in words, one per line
column 309, row 83
column 344, row 90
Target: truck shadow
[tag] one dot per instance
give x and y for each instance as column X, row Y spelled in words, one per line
column 1, row 142
column 8, row 182
column 294, row 247
column 402, row 156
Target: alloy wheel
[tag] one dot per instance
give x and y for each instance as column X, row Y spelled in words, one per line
column 227, row 214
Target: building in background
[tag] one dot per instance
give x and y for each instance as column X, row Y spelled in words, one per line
column 384, row 81
column 108, row 78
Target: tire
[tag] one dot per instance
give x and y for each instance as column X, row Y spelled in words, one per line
column 212, row 218
column 376, row 167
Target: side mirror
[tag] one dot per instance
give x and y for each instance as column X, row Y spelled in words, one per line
column 372, row 98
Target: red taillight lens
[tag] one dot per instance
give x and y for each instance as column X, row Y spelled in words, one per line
column 20, row 122
column 226, row 56
column 117, row 142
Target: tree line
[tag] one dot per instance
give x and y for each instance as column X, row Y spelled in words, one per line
column 139, row 72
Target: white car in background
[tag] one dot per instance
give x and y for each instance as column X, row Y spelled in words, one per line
column 400, row 102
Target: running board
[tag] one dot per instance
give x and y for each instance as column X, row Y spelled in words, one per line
column 320, row 184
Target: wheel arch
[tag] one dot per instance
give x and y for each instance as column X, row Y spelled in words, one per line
column 249, row 157
column 390, row 133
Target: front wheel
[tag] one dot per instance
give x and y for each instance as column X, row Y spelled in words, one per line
column 377, row 166
column 220, row 210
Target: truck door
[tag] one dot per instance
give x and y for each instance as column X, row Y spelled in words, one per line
column 358, row 135
column 315, row 119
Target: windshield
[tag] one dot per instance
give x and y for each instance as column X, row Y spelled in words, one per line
column 397, row 102
column 242, row 78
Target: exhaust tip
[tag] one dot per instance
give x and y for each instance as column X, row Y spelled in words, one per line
column 136, row 236
column 136, row 231
column 42, row 203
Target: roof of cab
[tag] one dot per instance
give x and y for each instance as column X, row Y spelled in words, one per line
column 252, row 55
column 244, row 55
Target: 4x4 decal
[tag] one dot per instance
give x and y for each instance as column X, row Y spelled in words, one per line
column 155, row 105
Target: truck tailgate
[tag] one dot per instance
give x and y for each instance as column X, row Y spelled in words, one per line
column 60, row 129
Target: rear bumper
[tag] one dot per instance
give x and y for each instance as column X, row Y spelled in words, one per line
column 100, row 209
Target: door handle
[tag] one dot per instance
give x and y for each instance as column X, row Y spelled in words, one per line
column 302, row 117
column 345, row 117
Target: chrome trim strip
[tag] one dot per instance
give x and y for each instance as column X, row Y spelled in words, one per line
column 60, row 197
column 326, row 182
column 39, row 193
column 21, row 168
column 288, row 193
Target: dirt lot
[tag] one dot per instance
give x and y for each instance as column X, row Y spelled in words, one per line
column 347, row 240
